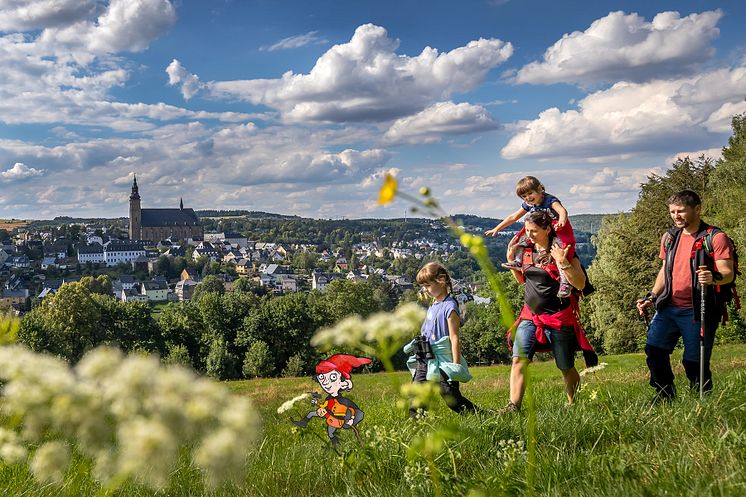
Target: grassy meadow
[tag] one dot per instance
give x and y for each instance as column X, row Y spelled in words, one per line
column 612, row 442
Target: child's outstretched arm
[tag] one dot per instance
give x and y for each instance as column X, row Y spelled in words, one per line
column 562, row 212
column 517, row 215
column 454, row 325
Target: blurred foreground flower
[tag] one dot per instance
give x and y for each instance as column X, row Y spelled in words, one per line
column 130, row 416
column 388, row 190
column 287, row 405
column 593, row 369
column 380, row 335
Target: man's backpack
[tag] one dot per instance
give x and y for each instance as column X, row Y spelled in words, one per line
column 724, row 294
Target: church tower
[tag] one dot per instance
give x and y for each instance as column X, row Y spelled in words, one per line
column 135, row 213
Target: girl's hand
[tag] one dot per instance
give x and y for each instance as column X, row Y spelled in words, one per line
column 559, row 224
column 491, row 232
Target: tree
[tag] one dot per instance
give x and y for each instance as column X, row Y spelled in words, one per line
column 220, row 364
column 258, row 361
column 209, row 284
column 67, row 323
column 344, row 297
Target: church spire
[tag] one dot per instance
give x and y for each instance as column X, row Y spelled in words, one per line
column 135, row 192
column 181, row 203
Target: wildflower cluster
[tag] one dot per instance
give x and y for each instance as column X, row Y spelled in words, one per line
column 510, row 451
column 129, row 415
column 381, row 334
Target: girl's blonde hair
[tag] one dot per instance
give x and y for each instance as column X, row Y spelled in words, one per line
column 528, row 184
column 434, row 271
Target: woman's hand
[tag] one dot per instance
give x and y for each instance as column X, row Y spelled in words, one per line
column 559, row 254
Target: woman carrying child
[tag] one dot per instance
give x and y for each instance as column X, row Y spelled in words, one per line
column 437, row 350
column 535, row 198
column 547, row 321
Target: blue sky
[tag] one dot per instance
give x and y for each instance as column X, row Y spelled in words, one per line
column 300, row 107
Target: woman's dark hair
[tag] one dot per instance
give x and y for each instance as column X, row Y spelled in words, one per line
column 539, row 218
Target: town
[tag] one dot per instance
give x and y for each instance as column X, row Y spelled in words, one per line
column 161, row 255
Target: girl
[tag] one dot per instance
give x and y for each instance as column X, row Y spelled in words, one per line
column 437, row 350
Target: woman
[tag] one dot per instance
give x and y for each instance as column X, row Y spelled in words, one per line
column 546, row 322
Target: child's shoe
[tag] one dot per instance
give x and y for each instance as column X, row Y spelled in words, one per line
column 512, row 265
column 564, row 290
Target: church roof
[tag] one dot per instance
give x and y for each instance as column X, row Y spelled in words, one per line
column 168, row 217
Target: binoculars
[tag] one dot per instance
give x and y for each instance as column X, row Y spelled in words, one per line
column 422, row 348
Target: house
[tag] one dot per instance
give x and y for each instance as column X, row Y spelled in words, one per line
column 131, row 295
column 244, row 266
column 3, row 256
column 20, row 262
column 127, row 281
column 190, row 274
column 320, row 280
column 48, row 262
column 205, row 249
column 18, row 297
column 341, row 265
column 185, row 289
column 118, row 252
column 93, row 253
column 156, row 291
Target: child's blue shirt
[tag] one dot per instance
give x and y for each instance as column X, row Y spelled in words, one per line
column 545, row 205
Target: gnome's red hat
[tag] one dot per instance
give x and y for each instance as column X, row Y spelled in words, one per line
column 342, row 363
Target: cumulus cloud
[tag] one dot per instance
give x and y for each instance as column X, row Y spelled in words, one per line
column 24, row 15
column 20, row 171
column 125, row 26
column 635, row 118
column 178, row 76
column 366, row 80
column 439, row 120
column 626, row 47
column 612, row 183
column 310, row 38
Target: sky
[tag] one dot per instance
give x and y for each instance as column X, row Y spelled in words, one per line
column 300, row 108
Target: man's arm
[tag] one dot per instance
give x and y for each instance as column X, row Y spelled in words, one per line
column 507, row 222
column 658, row 286
column 724, row 267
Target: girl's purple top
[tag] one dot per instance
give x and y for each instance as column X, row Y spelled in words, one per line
column 435, row 325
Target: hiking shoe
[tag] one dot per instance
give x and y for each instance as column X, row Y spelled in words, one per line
column 564, row 290
column 512, row 265
column 301, row 423
column 510, row 407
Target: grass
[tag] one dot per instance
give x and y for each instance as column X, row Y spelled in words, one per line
column 612, row 442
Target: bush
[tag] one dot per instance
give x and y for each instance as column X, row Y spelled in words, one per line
column 178, row 354
column 294, row 367
column 220, row 363
column 259, row 361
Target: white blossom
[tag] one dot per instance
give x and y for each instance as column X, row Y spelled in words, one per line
column 288, row 404
column 51, row 461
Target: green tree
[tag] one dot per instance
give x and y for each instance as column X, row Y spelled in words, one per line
column 211, row 284
column 220, row 363
column 258, row 361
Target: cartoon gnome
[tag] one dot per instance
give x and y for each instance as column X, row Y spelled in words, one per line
column 333, row 374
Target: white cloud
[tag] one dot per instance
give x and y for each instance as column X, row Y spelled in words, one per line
column 611, row 183
column 310, row 38
column 626, row 47
column 24, row 15
column 634, row 119
column 20, row 171
column 366, row 80
column 188, row 82
column 439, row 120
column 125, row 26
column 712, row 153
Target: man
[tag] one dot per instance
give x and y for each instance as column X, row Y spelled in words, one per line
column 695, row 255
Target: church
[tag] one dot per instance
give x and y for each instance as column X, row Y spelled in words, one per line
column 160, row 224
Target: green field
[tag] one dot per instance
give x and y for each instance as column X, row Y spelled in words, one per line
column 612, row 442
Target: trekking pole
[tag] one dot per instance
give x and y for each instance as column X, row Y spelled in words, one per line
column 703, row 288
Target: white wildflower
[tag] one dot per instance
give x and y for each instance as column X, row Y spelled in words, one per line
column 593, row 369
column 51, row 461
column 419, row 394
column 288, row 404
column 221, row 457
column 147, row 450
column 11, row 449
column 100, row 363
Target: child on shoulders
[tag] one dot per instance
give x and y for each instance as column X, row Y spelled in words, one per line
column 535, row 198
